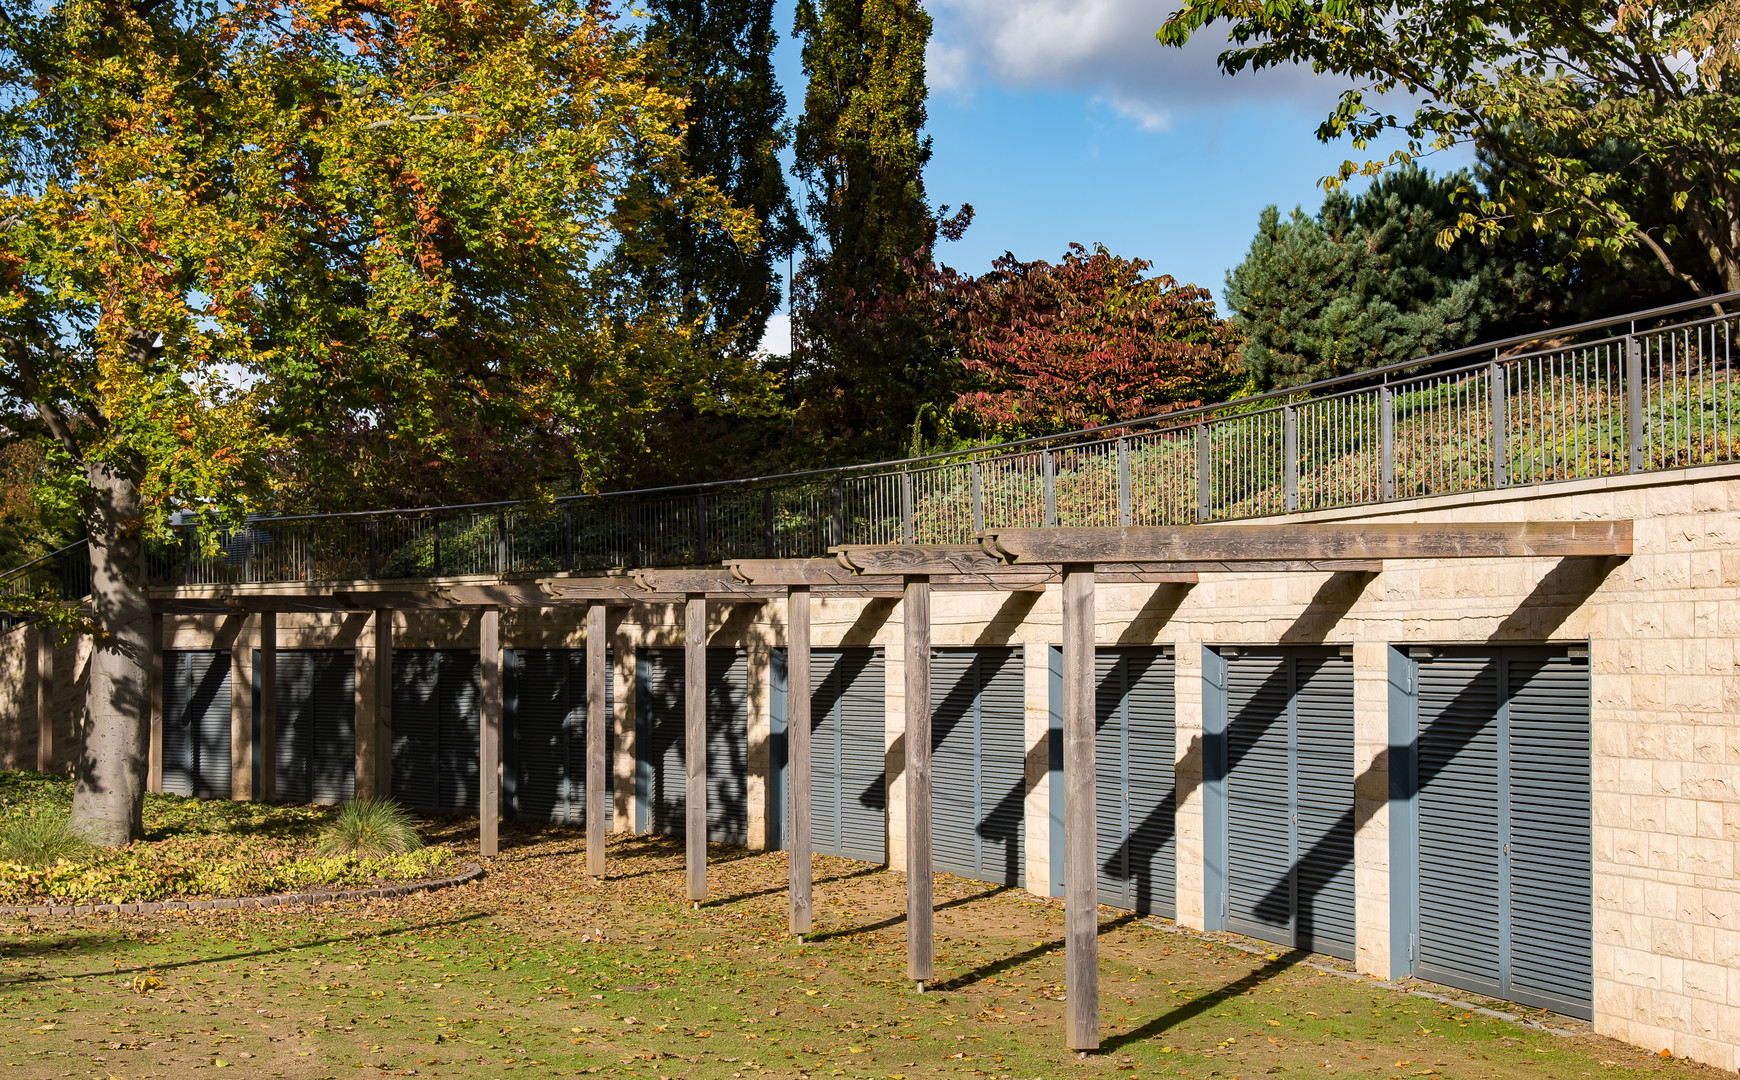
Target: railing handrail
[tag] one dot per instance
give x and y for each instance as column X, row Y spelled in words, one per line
column 1556, row 340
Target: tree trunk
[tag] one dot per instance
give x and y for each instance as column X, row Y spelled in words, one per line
column 110, row 775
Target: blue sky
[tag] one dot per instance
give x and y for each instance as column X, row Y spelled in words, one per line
column 1064, row 120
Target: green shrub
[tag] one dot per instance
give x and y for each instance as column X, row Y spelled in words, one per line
column 370, row 828
column 41, row 840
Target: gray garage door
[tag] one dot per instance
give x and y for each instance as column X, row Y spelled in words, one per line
column 848, row 795
column 1134, row 740
column 661, row 776
column 545, row 718
column 316, row 759
column 435, row 729
column 978, row 763
column 1505, row 890
column 196, row 723
column 1289, row 797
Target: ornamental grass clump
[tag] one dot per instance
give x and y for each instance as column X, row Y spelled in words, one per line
column 369, row 828
column 41, row 840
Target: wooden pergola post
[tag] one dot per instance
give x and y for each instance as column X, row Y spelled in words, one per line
column 695, row 745
column 1080, row 899
column 268, row 707
column 154, row 747
column 798, row 753
column 920, row 951
column 597, row 724
column 489, row 733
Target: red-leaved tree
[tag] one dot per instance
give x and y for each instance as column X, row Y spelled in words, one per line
column 1083, row 342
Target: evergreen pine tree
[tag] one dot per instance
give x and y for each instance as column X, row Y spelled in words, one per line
column 866, row 362
column 718, row 54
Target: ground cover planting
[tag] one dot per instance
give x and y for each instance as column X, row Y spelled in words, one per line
column 193, row 849
column 538, row 969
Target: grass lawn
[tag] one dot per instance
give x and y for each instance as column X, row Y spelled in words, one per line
column 535, row 968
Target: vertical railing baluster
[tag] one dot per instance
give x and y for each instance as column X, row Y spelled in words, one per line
column 435, row 523
column 976, row 493
column 1500, row 424
column 700, row 527
column 908, row 522
column 1048, row 484
column 374, row 547
column 1202, row 487
column 1386, row 443
column 1635, row 442
column 767, row 522
column 1290, row 456
column 567, row 538
column 837, row 519
column 501, row 543
column 1124, row 502
column 308, row 552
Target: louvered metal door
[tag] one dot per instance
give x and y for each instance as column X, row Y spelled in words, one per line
column 546, row 716
column 661, row 774
column 978, row 764
column 196, row 723
column 848, row 799
column 316, row 728
column 435, row 729
column 416, row 687
column 1505, row 891
column 1134, row 740
column 1289, row 798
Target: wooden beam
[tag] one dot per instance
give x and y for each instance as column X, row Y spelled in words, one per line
column 798, row 756
column 914, row 559
column 154, row 751
column 1080, row 829
column 268, row 707
column 489, row 733
column 695, row 746
column 1310, row 541
column 718, row 584
column 597, row 725
column 515, row 594
column 920, row 944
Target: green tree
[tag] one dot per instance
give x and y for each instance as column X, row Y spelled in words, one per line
column 226, row 224
column 718, row 56
column 1365, row 282
column 1534, row 85
column 866, row 365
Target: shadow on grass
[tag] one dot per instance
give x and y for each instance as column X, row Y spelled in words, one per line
column 415, row 928
column 1192, row 1009
column 739, row 897
column 997, row 967
column 896, row 920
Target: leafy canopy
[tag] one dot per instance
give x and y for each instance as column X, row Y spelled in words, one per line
column 1083, row 342
column 1534, row 85
column 234, row 233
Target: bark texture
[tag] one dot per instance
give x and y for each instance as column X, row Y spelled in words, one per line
column 112, row 764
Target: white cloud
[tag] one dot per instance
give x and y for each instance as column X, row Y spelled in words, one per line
column 776, row 339
column 1106, row 48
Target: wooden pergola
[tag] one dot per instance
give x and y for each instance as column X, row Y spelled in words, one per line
column 1008, row 560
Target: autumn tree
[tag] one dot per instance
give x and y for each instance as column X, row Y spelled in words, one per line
column 861, row 156
column 1086, row 341
column 1535, row 86
column 225, row 225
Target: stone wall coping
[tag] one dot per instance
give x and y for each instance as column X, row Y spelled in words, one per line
column 250, row 903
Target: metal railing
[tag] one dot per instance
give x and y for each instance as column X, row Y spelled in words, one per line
column 1651, row 390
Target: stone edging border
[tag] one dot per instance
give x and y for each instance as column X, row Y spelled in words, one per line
column 249, row 903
